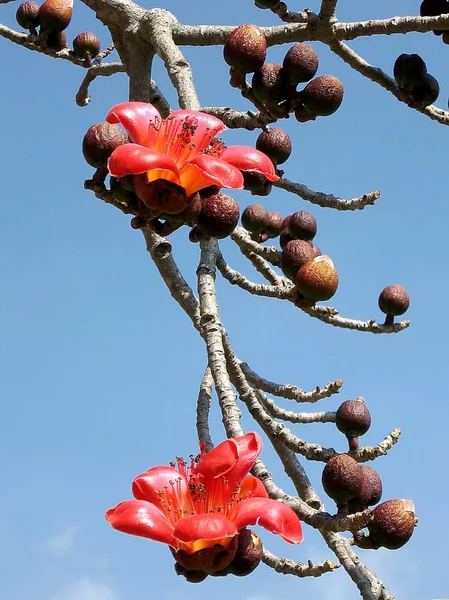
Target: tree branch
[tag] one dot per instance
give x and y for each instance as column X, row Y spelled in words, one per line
column 235, row 119
column 100, row 70
column 259, row 289
column 290, row 567
column 162, row 24
column 327, row 200
column 291, row 392
column 242, row 238
column 211, row 331
column 202, row 410
column 296, row 417
column 32, row 43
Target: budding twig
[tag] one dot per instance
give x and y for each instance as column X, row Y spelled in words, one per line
column 259, row 289
column 242, row 238
column 235, row 119
column 291, row 392
column 367, row 453
column 264, row 268
column 327, row 200
column 296, row 417
column 290, row 567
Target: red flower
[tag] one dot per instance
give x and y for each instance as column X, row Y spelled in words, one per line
column 198, row 508
column 181, row 149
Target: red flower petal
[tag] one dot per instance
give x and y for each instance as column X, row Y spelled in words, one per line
column 142, row 121
column 274, row 515
column 185, row 134
column 166, row 488
column 204, row 526
column 233, row 458
column 246, row 158
column 132, row 159
column 141, row 518
column 205, row 170
column 252, row 488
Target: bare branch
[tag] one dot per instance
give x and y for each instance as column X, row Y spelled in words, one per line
column 291, row 464
column 235, row 119
column 327, row 10
column 264, row 268
column 211, row 331
column 296, row 417
column 350, row 31
column 259, row 289
column 202, row 410
column 327, row 200
column 122, row 13
column 100, row 70
column 291, row 392
column 105, row 53
column 161, row 24
column 180, row 290
column 367, row 582
column 242, row 238
column 290, row 567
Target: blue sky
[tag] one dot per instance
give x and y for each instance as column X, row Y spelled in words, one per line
column 100, row 369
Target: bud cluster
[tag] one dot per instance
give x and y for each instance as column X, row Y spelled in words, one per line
column 274, row 86
column 52, row 18
column 418, row 88
column 355, row 487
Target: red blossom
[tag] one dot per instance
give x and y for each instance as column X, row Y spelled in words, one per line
column 198, row 507
column 182, row 149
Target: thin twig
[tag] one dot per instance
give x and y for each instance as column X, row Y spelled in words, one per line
column 327, row 200
column 287, row 566
column 100, row 70
column 291, row 392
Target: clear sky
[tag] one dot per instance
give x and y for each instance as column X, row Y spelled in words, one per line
column 100, row 368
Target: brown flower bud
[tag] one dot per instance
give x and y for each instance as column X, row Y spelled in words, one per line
column 353, row 419
column 342, row 480
column 100, row 141
column 246, row 48
column 393, row 523
column 219, row 216
column 317, row 279
column 276, row 144
column 300, row 63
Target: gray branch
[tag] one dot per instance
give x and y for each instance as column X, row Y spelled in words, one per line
column 202, row 410
column 291, row 392
column 327, row 200
column 242, row 238
column 234, row 119
column 259, row 289
column 32, row 43
column 211, row 330
column 100, row 70
column 290, row 567
column 296, row 417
